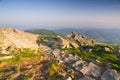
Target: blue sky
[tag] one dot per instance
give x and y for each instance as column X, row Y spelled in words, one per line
column 60, row 13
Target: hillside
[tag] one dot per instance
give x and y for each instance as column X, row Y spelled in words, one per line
column 72, row 57
column 42, row 32
column 111, row 36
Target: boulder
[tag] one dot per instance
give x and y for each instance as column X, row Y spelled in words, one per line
column 107, row 49
column 110, row 74
column 91, row 70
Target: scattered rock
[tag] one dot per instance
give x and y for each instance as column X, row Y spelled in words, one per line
column 110, row 74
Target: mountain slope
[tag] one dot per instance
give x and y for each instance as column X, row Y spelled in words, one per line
column 75, row 57
column 42, row 32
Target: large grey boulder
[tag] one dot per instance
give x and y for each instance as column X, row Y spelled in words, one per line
column 91, row 70
column 110, row 74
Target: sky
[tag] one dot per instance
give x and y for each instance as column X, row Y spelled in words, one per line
column 60, row 13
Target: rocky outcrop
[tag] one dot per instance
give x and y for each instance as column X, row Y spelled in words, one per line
column 10, row 38
column 72, row 40
column 81, row 40
column 68, row 43
column 110, row 74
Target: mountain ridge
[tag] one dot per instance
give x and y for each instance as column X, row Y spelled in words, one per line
column 110, row 36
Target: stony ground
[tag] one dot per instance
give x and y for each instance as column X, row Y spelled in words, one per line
column 56, row 65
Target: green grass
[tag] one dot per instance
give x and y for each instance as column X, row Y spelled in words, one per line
column 116, row 66
column 21, row 53
column 98, row 55
column 26, row 53
column 52, row 68
column 1, row 73
column 27, row 78
column 1, row 43
column 72, row 50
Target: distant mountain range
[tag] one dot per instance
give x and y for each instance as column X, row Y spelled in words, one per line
column 111, row 36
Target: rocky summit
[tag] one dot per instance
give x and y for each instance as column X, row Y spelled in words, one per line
column 40, row 57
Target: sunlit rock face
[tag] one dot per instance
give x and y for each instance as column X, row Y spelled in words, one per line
column 10, row 38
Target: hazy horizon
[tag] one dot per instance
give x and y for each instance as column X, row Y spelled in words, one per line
column 48, row 14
